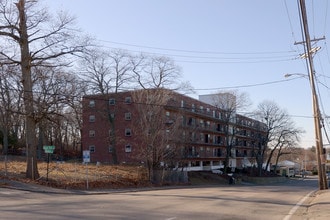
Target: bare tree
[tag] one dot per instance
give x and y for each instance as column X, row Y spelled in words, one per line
column 73, row 113
column 5, row 108
column 308, row 158
column 107, row 72
column 228, row 103
column 96, row 72
column 280, row 131
column 33, row 38
column 121, row 69
column 156, row 128
column 157, row 72
column 10, row 97
column 112, row 71
column 285, row 143
column 57, row 91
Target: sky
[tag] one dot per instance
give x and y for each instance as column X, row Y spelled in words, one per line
column 240, row 45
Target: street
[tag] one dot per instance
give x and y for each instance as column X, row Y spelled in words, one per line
column 214, row 202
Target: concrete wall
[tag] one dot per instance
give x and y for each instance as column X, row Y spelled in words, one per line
column 264, row 180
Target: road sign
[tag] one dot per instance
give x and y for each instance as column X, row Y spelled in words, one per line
column 86, row 156
column 49, row 149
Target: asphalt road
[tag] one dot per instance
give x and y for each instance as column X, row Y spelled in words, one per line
column 214, row 202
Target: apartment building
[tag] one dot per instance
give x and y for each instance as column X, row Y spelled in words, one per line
column 118, row 128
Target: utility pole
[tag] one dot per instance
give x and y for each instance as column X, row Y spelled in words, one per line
column 320, row 154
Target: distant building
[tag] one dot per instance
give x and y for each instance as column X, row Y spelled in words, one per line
column 227, row 100
column 112, row 130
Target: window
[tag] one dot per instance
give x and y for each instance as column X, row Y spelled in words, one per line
column 192, row 152
column 192, row 136
column 112, row 101
column 128, row 100
column 92, row 118
column 128, row 116
column 110, row 149
column 217, row 152
column 91, row 133
column 201, row 137
column 111, row 133
column 128, row 132
column 201, row 108
column 128, row 148
column 167, row 114
column 219, row 140
column 92, row 103
column 92, row 148
column 214, row 139
column 207, row 137
column 201, row 123
column 191, row 121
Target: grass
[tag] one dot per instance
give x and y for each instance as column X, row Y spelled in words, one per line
column 74, row 175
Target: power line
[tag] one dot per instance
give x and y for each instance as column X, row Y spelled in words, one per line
column 213, row 59
column 197, row 51
column 325, row 17
column 224, row 62
column 290, row 22
column 251, row 85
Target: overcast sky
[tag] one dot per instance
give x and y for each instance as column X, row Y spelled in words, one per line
column 221, row 44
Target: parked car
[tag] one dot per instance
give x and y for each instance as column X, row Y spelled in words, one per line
column 306, row 173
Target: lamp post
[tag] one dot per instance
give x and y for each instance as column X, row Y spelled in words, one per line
column 295, row 74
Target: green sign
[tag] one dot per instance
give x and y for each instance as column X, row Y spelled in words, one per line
column 49, row 149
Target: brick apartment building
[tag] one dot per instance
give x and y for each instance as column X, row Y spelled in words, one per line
column 112, row 129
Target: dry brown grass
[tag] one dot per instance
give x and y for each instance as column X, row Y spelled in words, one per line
column 74, row 175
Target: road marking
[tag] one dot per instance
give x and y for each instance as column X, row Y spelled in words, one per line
column 295, row 208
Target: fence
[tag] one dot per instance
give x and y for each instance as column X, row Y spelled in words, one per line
column 170, row 176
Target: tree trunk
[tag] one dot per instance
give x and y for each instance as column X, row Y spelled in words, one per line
column 226, row 162
column 259, row 163
column 269, row 158
column 5, row 141
column 31, row 147
column 113, row 135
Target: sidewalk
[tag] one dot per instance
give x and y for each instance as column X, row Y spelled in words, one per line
column 33, row 187
column 319, row 207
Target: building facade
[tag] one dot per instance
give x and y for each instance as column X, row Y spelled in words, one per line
column 124, row 127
